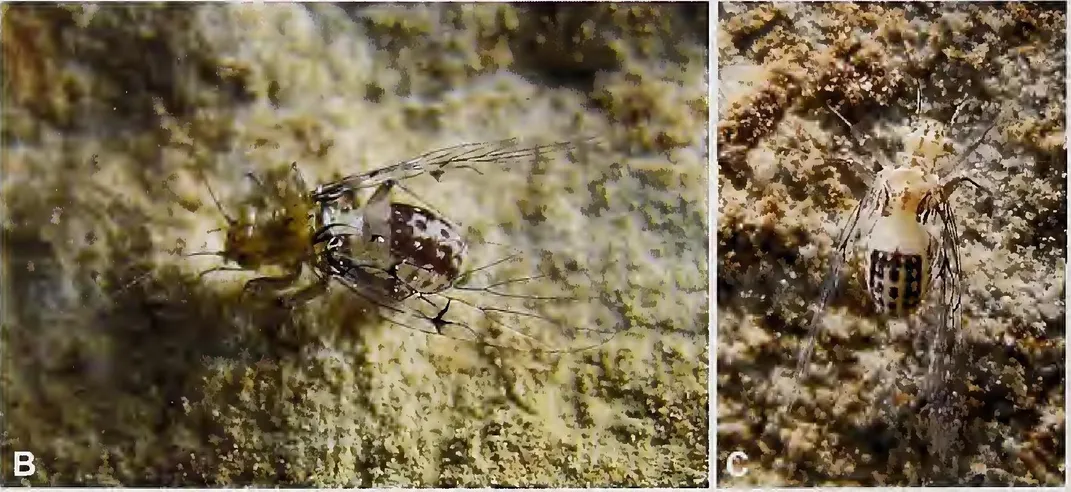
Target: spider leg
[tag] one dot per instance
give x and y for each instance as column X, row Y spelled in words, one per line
column 951, row 323
column 491, row 314
column 955, row 113
column 207, row 253
column 918, row 97
column 220, row 269
column 378, row 301
column 499, row 289
column 273, row 284
column 439, row 320
column 951, row 184
column 469, row 273
column 862, row 219
column 971, row 148
column 309, row 292
column 260, row 184
column 942, row 396
column 490, row 289
column 204, row 179
column 863, row 215
column 862, row 144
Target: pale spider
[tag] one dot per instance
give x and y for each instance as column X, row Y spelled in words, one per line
column 910, row 239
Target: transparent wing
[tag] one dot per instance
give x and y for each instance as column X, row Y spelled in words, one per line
column 465, row 156
column 862, row 219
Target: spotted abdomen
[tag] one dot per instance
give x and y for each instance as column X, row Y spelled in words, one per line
column 897, row 281
column 426, row 250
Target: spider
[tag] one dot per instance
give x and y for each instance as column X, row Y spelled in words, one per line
column 908, row 231
column 384, row 251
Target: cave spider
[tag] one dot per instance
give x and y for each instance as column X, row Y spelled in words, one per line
column 907, row 228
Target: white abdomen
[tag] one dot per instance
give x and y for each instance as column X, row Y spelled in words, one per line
column 898, row 264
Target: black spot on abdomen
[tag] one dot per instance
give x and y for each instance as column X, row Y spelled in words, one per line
column 895, row 281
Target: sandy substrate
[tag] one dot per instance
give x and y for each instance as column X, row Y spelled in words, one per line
column 121, row 365
column 784, row 188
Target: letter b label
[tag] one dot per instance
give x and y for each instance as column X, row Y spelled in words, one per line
column 24, row 466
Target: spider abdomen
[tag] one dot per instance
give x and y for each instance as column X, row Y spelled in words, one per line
column 898, row 264
column 897, row 281
column 427, row 250
column 421, row 253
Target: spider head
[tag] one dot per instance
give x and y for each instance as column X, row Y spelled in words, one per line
column 927, row 146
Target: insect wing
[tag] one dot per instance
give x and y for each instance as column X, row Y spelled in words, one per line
column 464, row 156
column 862, row 218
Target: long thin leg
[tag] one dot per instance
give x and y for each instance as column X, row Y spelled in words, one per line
column 273, row 284
column 309, row 292
column 376, row 300
column 491, row 265
column 862, row 217
column 206, row 253
column 440, row 322
column 860, row 220
column 220, row 269
column 490, row 289
column 230, row 220
column 534, row 343
column 857, row 139
column 951, row 184
column 955, row 113
column 971, row 148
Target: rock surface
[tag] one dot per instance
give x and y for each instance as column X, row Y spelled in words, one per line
column 122, row 365
column 785, row 186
